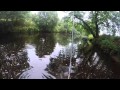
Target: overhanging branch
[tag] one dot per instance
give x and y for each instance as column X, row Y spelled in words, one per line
column 86, row 26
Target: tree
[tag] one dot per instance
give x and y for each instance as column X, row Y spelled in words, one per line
column 47, row 20
column 11, row 19
column 98, row 21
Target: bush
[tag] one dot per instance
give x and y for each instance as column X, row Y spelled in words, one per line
column 109, row 44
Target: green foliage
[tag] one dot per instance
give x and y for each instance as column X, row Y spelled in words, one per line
column 62, row 39
column 47, row 20
column 63, row 27
column 66, row 26
column 98, row 21
column 110, row 44
column 16, row 21
column 90, row 36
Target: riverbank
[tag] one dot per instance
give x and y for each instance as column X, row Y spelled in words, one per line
column 109, row 45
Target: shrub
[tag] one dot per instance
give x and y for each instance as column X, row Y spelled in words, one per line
column 109, row 44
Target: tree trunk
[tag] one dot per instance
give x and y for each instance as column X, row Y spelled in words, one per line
column 96, row 24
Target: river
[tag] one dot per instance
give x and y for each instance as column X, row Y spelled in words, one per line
column 47, row 56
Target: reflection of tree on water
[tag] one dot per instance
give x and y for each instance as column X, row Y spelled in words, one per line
column 92, row 66
column 89, row 64
column 62, row 39
column 31, row 38
column 59, row 66
column 45, row 44
column 12, row 57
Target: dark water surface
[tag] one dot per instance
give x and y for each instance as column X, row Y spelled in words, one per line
column 47, row 56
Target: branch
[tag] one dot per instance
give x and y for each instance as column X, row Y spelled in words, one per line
column 87, row 26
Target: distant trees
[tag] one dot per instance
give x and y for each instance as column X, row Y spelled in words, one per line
column 46, row 21
column 10, row 19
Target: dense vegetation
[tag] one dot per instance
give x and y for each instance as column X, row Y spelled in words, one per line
column 48, row 21
column 102, row 21
column 109, row 44
column 22, row 21
column 96, row 41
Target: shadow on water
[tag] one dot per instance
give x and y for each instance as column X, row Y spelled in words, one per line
column 45, row 44
column 59, row 65
column 87, row 63
column 95, row 65
column 47, row 56
column 13, row 57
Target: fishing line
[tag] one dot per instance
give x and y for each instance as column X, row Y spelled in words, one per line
column 70, row 65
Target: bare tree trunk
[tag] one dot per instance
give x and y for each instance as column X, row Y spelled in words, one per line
column 96, row 24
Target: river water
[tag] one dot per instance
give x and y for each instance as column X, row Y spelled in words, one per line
column 47, row 56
